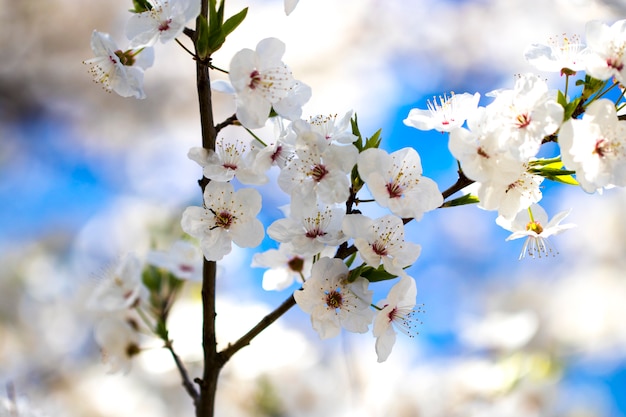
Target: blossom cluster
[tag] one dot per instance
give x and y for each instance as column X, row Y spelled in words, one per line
column 122, row 71
column 319, row 161
column 500, row 146
column 133, row 297
column 327, row 240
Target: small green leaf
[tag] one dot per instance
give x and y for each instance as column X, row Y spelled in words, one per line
column 151, row 278
column 376, row 274
column 161, row 330
column 140, row 6
column 461, row 201
column 374, row 141
column 232, row 22
column 202, row 41
column 561, row 99
column 570, row 108
column 564, row 179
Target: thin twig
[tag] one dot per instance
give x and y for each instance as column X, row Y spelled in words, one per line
column 187, row 383
column 232, row 120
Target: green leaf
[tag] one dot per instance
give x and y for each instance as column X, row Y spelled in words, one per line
column 140, row 6
column 232, row 22
column 151, row 278
column 374, row 141
column 461, row 201
column 202, row 41
column 564, row 179
column 590, row 86
column 570, row 108
column 161, row 330
column 561, row 99
column 376, row 274
column 356, row 132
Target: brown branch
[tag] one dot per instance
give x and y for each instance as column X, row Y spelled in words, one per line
column 205, row 406
column 232, row 120
column 189, row 386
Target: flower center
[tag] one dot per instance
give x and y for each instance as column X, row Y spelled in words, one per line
column 317, row 172
column 224, row 220
column 255, row 79
column 522, row 120
column 604, row 148
column 534, row 226
column 380, row 248
column 394, row 189
column 126, row 57
column 165, row 25
column 615, row 63
column 334, row 299
column 481, row 152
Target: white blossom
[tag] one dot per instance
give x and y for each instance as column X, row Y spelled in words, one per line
column 397, row 311
column 595, row 147
column 333, row 302
column 319, row 171
column 262, row 81
column 117, row 70
column 310, row 229
column 395, row 181
column 524, row 116
column 381, row 240
column 165, row 21
column 119, row 342
column 607, row 49
column 121, row 288
column 560, row 53
column 183, row 260
column 227, row 216
column 445, row 114
column 533, row 225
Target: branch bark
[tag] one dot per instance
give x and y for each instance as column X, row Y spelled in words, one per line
column 205, row 406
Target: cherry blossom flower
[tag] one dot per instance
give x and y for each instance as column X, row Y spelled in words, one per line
column 118, row 339
column 165, row 21
column 533, row 225
column 395, row 181
column 310, row 229
column 319, row 171
column 524, row 116
column 397, row 311
column 117, row 70
column 230, row 159
column 262, row 82
column 285, row 266
column 328, row 126
column 514, row 190
column 477, row 150
column 607, row 46
column 227, row 216
column 444, row 115
column 183, row 260
column 381, row 240
column 595, row 147
column 333, row 302
column 560, row 53
column 121, row 288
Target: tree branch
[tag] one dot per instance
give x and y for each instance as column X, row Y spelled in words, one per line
column 189, row 386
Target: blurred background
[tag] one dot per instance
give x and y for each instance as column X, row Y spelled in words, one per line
column 86, row 176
